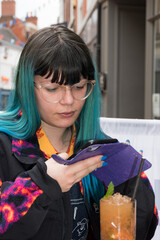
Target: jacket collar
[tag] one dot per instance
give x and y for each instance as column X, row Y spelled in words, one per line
column 30, row 148
column 27, row 151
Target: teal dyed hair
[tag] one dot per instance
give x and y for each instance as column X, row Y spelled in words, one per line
column 58, row 52
column 22, row 99
column 89, row 128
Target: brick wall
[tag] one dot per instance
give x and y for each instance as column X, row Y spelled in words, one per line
column 18, row 27
column 8, row 8
column 19, row 30
column 67, row 10
column 32, row 19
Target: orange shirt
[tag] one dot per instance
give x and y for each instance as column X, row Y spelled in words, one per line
column 47, row 147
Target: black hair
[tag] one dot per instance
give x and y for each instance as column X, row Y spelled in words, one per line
column 60, row 52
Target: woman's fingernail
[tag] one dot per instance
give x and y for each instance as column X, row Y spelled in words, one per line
column 128, row 141
column 103, row 158
column 104, row 164
column 141, row 152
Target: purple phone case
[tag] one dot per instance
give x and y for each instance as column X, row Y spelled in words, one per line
column 123, row 161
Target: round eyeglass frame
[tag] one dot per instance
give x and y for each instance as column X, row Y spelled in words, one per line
column 92, row 82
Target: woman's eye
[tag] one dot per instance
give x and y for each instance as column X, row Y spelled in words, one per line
column 79, row 87
column 51, row 89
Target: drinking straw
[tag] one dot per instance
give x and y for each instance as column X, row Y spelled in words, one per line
column 138, row 178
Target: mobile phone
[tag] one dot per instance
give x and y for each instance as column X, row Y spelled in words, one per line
column 123, row 161
column 89, row 149
column 98, row 141
column 94, row 142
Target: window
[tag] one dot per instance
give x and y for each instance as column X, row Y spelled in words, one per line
column 156, row 73
column 4, row 100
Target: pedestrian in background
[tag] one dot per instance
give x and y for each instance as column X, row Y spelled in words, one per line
column 54, row 109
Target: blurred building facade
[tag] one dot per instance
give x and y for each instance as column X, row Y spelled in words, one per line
column 124, row 39
column 13, row 34
column 9, row 55
column 22, row 29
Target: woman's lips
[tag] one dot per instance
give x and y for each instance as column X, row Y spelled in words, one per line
column 66, row 114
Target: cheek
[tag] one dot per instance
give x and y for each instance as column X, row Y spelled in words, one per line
column 80, row 106
column 42, row 106
column 39, row 100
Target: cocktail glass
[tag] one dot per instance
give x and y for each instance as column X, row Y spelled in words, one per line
column 118, row 218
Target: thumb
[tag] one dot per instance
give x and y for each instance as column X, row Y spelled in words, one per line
column 64, row 155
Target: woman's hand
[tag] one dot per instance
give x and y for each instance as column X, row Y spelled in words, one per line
column 68, row 175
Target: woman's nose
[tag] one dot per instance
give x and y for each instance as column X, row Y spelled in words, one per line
column 67, row 96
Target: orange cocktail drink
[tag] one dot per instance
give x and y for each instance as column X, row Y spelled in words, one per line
column 118, row 218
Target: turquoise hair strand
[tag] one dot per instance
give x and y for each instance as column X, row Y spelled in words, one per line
column 21, row 113
column 89, row 128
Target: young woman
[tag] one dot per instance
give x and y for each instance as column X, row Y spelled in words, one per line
column 55, row 108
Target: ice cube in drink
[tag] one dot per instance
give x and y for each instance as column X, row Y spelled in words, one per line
column 118, row 218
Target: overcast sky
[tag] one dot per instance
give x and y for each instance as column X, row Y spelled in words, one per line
column 47, row 11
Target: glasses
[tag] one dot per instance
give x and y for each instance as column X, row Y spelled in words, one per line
column 54, row 92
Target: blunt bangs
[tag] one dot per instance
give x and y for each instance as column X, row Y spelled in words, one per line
column 66, row 57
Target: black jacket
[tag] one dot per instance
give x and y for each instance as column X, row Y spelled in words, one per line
column 44, row 212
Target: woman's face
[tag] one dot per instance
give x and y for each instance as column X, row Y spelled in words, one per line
column 61, row 114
